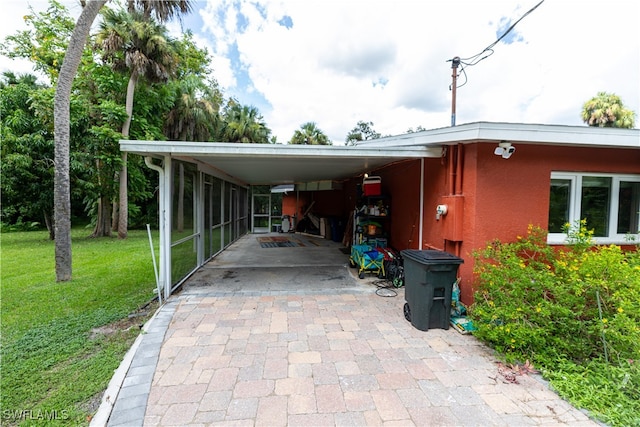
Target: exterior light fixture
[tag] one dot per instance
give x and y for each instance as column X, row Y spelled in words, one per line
column 504, row 149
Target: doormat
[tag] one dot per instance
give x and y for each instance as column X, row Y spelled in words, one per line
column 278, row 242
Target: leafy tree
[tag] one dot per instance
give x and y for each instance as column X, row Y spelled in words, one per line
column 83, row 119
column 418, row 129
column 361, row 132
column 193, row 59
column 45, row 41
column 607, row 110
column 104, row 93
column 134, row 43
column 309, row 134
column 27, row 155
column 163, row 10
column 195, row 113
column 98, row 100
column 47, row 57
column 243, row 123
column 194, row 116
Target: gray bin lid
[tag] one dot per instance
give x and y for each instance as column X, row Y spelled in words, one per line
column 430, row 256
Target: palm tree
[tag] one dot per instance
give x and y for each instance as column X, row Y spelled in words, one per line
column 245, row 124
column 607, row 110
column 61, row 107
column 194, row 116
column 137, row 44
column 10, row 78
column 309, row 134
column 164, row 10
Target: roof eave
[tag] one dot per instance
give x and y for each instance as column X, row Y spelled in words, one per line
column 516, row 132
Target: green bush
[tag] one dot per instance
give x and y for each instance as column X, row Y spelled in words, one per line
column 577, row 306
column 20, row 226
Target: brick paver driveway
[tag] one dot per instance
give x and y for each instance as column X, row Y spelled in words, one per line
column 343, row 359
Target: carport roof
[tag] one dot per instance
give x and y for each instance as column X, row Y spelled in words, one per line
column 273, row 164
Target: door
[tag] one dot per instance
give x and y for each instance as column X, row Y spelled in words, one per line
column 260, row 212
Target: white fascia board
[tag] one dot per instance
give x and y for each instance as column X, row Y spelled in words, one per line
column 585, row 136
column 222, row 149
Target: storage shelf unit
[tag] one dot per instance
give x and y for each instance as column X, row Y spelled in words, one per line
column 371, row 221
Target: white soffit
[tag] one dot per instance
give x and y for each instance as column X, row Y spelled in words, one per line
column 273, row 164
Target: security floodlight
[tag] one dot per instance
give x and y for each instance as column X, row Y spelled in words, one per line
column 504, row 149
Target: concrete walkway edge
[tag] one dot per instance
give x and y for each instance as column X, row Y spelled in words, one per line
column 134, row 375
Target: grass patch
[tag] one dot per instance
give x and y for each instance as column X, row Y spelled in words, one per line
column 58, row 356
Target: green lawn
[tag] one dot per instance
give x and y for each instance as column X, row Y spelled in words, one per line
column 54, row 364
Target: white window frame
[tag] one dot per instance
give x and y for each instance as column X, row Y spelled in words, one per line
column 575, row 204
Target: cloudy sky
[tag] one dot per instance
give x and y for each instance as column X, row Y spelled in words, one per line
column 388, row 62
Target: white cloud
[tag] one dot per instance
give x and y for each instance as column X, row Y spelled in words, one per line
column 385, row 61
column 325, row 68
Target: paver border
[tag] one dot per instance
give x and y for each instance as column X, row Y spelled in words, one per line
column 133, row 377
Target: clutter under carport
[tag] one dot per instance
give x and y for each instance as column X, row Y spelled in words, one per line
column 369, row 225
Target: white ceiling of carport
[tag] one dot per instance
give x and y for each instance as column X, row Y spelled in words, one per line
column 273, row 164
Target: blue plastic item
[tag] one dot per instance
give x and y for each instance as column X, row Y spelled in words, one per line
column 367, row 259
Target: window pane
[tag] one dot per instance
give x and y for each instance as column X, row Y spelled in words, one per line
column 184, row 181
column 217, row 201
column 559, row 204
column 206, row 233
column 628, row 207
column 276, row 204
column 184, row 259
column 261, row 204
column 227, row 202
column 596, row 195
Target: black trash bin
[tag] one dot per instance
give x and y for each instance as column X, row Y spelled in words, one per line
column 429, row 276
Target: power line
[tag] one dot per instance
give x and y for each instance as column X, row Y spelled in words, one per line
column 475, row 59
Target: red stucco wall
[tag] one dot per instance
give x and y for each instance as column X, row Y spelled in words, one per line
column 501, row 197
column 400, row 182
column 513, row 193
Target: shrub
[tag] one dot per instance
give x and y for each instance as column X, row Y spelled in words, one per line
column 578, row 305
column 20, row 226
